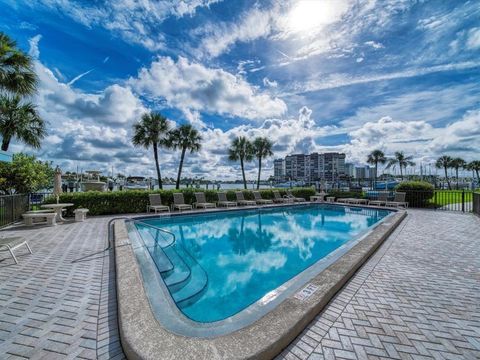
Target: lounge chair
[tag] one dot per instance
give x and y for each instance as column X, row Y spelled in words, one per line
column 223, row 201
column 179, row 202
column 11, row 244
column 279, row 199
column 294, row 198
column 259, row 200
column 202, row 202
column 381, row 200
column 357, row 201
column 241, row 199
column 156, row 203
column 399, row 200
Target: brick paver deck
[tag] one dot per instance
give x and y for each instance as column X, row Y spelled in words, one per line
column 418, row 297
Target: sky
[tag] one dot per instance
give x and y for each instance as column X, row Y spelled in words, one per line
column 311, row 75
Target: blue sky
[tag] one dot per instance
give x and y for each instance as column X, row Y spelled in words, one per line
column 314, row 75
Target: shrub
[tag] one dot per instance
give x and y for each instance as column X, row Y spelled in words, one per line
column 418, row 193
column 136, row 201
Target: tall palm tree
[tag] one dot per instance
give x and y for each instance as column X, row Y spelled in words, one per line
column 241, row 149
column 374, row 158
column 456, row 164
column 185, row 137
column 21, row 121
column 16, row 69
column 262, row 148
column 475, row 166
column 444, row 162
column 401, row 160
column 151, row 130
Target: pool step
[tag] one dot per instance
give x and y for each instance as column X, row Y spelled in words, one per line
column 194, row 290
column 179, row 277
column 163, row 263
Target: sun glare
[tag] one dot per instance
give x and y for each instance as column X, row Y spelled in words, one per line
column 308, row 14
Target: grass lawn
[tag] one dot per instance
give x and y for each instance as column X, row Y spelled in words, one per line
column 445, row 197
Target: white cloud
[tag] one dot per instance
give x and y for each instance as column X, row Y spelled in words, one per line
column 269, row 83
column 193, row 87
column 136, row 21
column 374, row 44
column 473, row 39
column 33, row 43
column 338, row 80
column 218, row 37
column 418, row 138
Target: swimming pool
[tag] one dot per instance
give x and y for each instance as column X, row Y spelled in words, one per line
column 238, row 264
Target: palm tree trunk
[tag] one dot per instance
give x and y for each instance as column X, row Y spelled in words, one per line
column 456, row 175
column 375, row 181
column 180, row 166
column 259, row 171
column 243, row 174
column 478, row 175
column 446, row 177
column 401, row 173
column 6, row 142
column 159, row 176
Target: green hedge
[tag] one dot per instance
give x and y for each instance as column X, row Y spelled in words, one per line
column 136, row 201
column 418, row 193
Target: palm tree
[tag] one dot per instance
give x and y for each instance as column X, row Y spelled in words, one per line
column 186, row 137
column 401, row 160
column 458, row 163
column 262, row 148
column 241, row 149
column 374, row 158
column 151, row 130
column 16, row 68
column 21, row 121
column 444, row 162
column 475, row 166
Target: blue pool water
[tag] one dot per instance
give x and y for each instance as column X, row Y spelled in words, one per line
column 217, row 264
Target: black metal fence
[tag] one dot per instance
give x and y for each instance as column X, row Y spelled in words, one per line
column 476, row 203
column 452, row 200
column 12, row 207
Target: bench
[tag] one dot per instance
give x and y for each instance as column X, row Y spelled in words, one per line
column 80, row 214
column 47, row 218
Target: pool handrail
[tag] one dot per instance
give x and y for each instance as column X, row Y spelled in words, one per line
column 159, row 229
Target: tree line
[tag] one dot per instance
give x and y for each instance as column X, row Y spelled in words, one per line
column 153, row 130
column 401, row 160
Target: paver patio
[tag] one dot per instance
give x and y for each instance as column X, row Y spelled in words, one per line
column 418, row 297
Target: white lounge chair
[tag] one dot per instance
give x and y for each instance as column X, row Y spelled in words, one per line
column 241, row 199
column 279, row 199
column 381, row 200
column 11, row 244
column 223, row 201
column 202, row 202
column 291, row 196
column 259, row 200
column 399, row 200
column 179, row 202
column 156, row 203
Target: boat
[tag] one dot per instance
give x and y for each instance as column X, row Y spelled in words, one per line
column 136, row 183
column 93, row 183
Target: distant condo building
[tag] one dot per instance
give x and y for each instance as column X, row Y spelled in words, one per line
column 364, row 172
column 309, row 168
